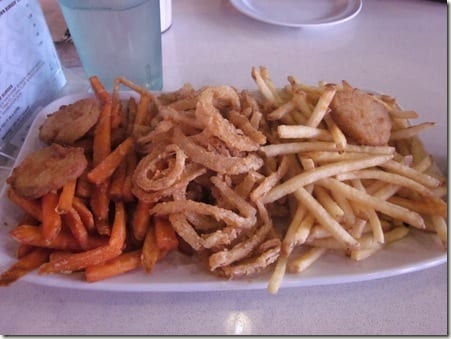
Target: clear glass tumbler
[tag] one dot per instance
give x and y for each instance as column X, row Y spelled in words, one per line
column 117, row 38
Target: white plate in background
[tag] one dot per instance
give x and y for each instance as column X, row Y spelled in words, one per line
column 299, row 13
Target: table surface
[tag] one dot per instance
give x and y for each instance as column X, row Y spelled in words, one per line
column 395, row 47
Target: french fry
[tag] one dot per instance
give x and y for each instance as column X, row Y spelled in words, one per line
column 373, row 218
column 441, row 228
column 409, row 172
column 349, row 216
column 388, row 177
column 410, row 131
column 303, row 132
column 318, row 232
column 66, row 197
column 302, row 262
column 24, row 265
column 277, row 275
column 289, row 240
column 297, row 147
column 263, row 87
column 282, row 110
column 383, row 206
column 321, row 215
column 322, row 105
column 308, row 177
column 324, row 198
column 337, row 135
column 119, row 265
column 370, row 246
column 304, row 229
column 51, row 220
column 330, row 243
column 432, row 206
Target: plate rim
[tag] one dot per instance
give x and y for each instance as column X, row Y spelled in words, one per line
column 212, row 283
column 241, row 6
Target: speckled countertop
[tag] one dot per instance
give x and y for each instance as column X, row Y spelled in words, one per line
column 396, row 47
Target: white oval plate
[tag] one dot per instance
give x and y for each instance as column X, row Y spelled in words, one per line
column 180, row 273
column 299, row 13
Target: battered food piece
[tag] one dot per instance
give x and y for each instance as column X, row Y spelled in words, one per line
column 47, row 169
column 70, row 122
column 361, row 117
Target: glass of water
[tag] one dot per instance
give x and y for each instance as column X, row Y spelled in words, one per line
column 117, row 38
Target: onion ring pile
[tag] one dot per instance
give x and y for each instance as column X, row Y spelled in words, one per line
column 210, row 137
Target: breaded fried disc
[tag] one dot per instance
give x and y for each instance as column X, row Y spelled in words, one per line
column 47, row 169
column 70, row 122
column 361, row 117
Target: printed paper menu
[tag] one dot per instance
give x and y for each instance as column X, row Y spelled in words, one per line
column 30, row 70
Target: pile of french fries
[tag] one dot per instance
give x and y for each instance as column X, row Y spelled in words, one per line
column 349, row 198
column 334, row 194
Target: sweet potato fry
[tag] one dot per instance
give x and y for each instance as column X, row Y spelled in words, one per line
column 102, row 131
column 116, row 118
column 24, row 265
column 78, row 261
column 32, row 235
column 58, row 255
column 73, row 221
column 117, row 182
column 108, row 165
column 101, row 93
column 119, row 231
column 127, row 194
column 51, row 220
column 165, row 235
column 85, row 214
column 132, row 108
column 127, row 187
column 28, row 220
column 66, row 197
column 121, row 264
column 23, row 250
column 102, row 135
column 100, row 203
column 103, row 227
column 32, row 207
column 150, row 251
column 141, row 220
column 83, row 188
